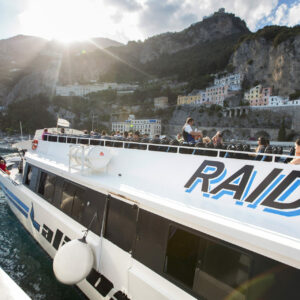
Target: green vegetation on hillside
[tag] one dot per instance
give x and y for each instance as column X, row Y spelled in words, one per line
column 33, row 113
column 295, row 95
column 275, row 34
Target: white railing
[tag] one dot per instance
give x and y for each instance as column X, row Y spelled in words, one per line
column 161, row 148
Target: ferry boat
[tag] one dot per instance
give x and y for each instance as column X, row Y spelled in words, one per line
column 162, row 221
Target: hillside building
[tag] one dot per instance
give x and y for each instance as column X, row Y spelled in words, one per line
column 217, row 94
column 277, row 101
column 160, row 102
column 223, row 88
column 294, row 102
column 259, row 96
column 230, row 80
column 145, row 126
column 196, row 98
column 82, row 90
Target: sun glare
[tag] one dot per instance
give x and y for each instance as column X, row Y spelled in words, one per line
column 69, row 20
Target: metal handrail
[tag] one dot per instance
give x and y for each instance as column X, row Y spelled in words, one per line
column 218, row 151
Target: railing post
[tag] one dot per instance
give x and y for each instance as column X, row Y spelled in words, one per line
column 82, row 159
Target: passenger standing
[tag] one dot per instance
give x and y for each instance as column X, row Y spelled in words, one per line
column 187, row 131
column 45, row 132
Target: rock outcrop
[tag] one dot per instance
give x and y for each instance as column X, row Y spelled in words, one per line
column 216, row 27
column 273, row 64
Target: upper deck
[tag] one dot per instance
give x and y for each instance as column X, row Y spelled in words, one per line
column 249, row 203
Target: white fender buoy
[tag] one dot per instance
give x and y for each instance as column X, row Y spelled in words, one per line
column 73, row 262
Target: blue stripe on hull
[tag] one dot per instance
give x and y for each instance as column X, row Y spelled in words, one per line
column 22, row 207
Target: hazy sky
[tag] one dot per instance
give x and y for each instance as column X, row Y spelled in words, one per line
column 125, row 20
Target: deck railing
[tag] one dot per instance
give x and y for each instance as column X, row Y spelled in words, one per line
column 167, row 148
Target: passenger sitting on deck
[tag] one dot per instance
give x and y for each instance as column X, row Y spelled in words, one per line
column 136, row 136
column 125, row 134
column 95, row 133
column 199, row 137
column 3, row 167
column 206, row 140
column 103, row 133
column 261, row 146
column 118, row 134
column 187, row 131
column 45, row 132
column 218, row 138
column 85, row 133
column 179, row 137
column 62, row 131
column 296, row 161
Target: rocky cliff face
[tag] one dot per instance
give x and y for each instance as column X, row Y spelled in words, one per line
column 277, row 66
column 218, row 26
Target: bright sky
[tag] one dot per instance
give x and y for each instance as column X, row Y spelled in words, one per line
column 124, row 20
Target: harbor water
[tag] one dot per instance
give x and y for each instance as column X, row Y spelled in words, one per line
column 26, row 262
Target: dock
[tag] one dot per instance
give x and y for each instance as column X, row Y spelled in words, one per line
column 9, row 290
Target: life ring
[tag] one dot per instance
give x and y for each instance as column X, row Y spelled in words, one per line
column 34, row 144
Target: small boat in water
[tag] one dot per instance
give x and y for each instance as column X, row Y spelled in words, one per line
column 139, row 220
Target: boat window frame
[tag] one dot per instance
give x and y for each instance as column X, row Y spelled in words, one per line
column 127, row 221
column 207, row 238
column 39, row 184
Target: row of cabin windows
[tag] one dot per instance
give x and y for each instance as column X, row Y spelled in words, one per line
column 203, row 266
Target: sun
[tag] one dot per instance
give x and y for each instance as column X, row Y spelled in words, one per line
column 65, row 20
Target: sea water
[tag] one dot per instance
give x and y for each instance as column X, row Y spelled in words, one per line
column 27, row 263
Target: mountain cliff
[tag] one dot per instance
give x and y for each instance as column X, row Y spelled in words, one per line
column 216, row 27
column 270, row 56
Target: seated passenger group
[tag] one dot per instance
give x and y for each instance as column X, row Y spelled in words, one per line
column 193, row 136
column 190, row 136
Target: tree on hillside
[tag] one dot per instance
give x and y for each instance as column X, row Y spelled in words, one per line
column 282, row 132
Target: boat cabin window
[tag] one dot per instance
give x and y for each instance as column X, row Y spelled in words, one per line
column 82, row 204
column 121, row 223
column 152, row 234
column 72, row 202
column 31, row 177
column 94, row 210
column 182, row 255
column 212, row 270
column 28, row 175
column 47, row 186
